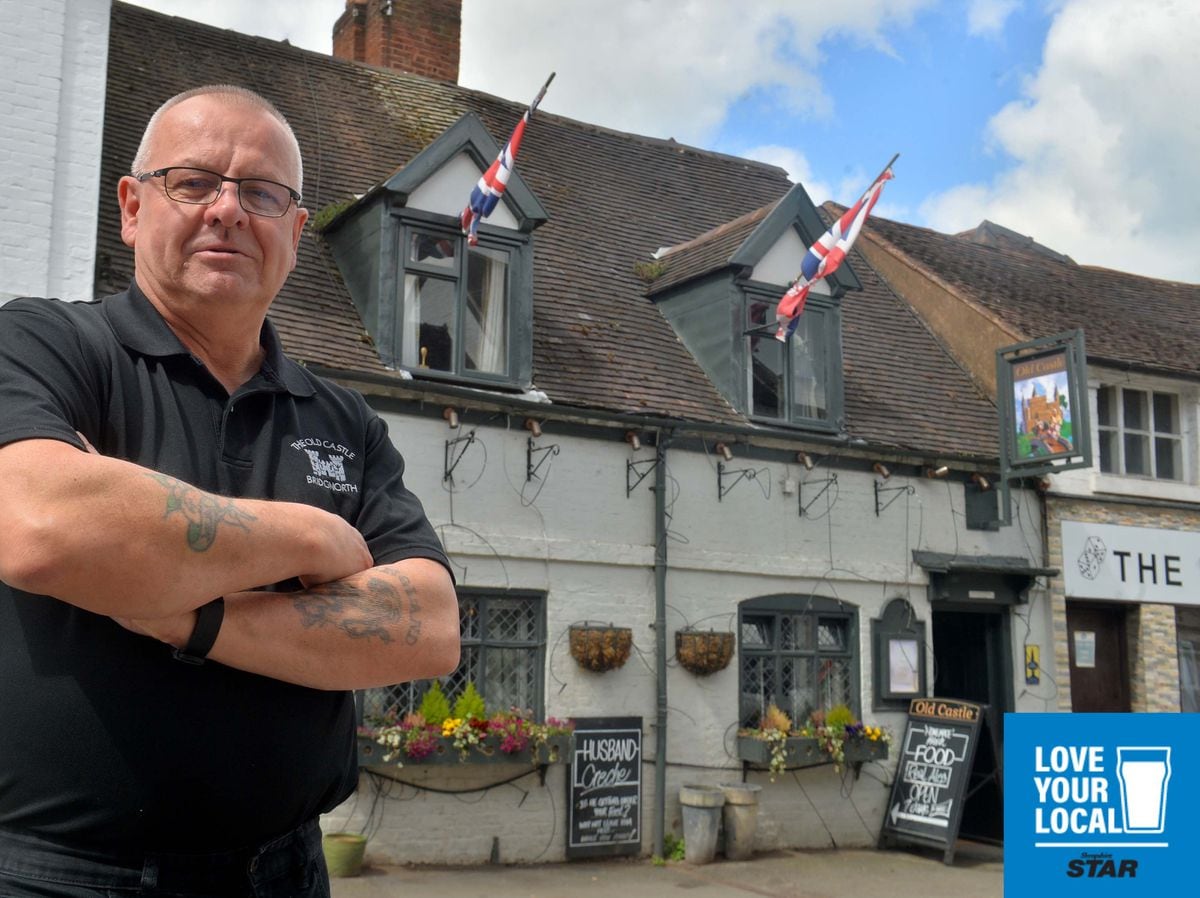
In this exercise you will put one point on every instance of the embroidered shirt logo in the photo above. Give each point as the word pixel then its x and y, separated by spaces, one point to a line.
pixel 333 468
pixel 328 462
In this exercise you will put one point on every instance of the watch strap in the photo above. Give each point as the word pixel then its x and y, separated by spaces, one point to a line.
pixel 204 634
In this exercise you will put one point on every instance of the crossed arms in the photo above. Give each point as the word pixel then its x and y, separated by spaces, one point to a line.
pixel 121 540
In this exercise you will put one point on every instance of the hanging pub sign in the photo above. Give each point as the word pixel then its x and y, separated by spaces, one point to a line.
pixel 1042 395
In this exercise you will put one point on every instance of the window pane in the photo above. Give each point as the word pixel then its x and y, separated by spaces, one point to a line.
pixel 512 620
pixel 796 697
pixel 1136 414
pixel 795 633
pixel 833 683
pixel 758 687
pixel 832 634
pixel 1137 454
pixel 808 368
pixel 766 365
pixel 485 326
pixel 1108 451
pixel 1167 458
pixel 511 680
pixel 1166 415
pixel 429 316
pixel 432 249
pixel 756 630
pixel 1105 406
pixel 468 618
pixel 469 670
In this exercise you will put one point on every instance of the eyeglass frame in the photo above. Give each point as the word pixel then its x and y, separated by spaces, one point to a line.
pixel 162 173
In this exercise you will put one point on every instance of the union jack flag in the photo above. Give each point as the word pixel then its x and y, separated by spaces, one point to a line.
pixel 493 182
pixel 826 255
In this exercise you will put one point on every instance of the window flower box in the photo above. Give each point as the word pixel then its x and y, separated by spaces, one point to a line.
pixel 806 751
pixel 555 750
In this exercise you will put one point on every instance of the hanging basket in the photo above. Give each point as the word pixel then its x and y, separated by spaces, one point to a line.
pixel 600 647
pixel 703 652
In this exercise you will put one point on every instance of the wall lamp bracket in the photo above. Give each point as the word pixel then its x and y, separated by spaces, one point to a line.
pixel 541 453
pixel 824 485
pixel 906 489
pixel 455 450
pixel 723 474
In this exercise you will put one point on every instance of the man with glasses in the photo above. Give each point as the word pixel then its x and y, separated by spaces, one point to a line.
pixel 204 547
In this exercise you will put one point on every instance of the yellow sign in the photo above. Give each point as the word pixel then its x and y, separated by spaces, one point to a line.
pixel 1033 665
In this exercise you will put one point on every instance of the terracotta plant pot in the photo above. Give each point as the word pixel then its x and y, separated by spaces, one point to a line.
pixel 600 647
pixel 703 651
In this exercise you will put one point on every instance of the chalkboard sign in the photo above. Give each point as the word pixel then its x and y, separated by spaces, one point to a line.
pixel 934 770
pixel 604 791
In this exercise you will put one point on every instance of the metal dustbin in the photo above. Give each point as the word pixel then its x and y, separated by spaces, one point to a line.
pixel 741 819
pixel 701 822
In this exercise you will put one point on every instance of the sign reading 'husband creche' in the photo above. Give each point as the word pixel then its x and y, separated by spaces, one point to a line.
pixel 604 794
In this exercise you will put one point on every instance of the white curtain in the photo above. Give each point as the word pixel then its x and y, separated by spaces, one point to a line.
pixel 410 355
pixel 493 333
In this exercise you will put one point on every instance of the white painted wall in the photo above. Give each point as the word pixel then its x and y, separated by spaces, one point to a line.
pixel 577 537
pixel 53 63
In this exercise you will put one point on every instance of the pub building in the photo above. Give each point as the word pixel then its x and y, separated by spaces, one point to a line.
pixel 609 442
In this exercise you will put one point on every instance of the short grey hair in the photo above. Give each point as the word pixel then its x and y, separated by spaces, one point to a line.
pixel 235 95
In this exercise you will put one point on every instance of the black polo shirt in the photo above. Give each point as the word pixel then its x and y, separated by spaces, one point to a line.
pixel 105 739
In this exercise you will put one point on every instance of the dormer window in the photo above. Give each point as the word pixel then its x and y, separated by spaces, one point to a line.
pixel 456 305
pixel 434 306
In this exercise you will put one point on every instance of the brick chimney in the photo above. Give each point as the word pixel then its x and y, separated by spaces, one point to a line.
pixel 418 36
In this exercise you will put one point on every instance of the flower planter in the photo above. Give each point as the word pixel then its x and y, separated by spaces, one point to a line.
pixel 805 751
pixel 600 647
pixel 343 853
pixel 703 651
pixel 555 750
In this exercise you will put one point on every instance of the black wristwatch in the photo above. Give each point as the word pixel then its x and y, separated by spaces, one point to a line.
pixel 204 634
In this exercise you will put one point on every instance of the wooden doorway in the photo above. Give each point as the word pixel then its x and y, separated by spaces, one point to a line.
pixel 1099 662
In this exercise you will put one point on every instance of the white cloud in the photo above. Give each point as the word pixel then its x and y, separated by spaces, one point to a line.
pixel 1104 143
pixel 307 24
pixel 666 68
pixel 987 17
pixel 797 166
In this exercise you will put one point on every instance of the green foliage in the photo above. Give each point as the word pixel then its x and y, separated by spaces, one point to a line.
pixel 470 705
pixel 327 214
pixel 673 847
pixel 435 707
pixel 839 717
pixel 650 271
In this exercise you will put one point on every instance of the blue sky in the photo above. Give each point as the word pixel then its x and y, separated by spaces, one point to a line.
pixel 1072 121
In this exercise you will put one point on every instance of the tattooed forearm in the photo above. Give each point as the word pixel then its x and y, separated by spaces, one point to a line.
pixel 377 608
pixel 204 512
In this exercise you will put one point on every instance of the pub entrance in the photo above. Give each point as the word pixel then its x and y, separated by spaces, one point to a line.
pixel 1099 660
pixel 971 600
pixel 972 662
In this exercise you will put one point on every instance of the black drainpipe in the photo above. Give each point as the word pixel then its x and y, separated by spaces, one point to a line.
pixel 660 639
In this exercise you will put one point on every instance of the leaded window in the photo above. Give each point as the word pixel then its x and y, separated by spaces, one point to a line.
pixel 1140 432
pixel 503 654
pixel 799 653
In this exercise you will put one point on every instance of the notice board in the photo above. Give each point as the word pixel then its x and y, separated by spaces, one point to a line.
pixel 604 790
pixel 934 770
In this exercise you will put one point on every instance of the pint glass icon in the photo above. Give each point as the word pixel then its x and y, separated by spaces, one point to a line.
pixel 1144 772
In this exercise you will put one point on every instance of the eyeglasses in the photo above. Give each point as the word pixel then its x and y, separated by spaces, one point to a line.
pixel 201 187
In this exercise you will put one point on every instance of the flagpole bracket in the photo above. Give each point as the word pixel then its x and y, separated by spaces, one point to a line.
pixel 824 485
pixel 907 489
